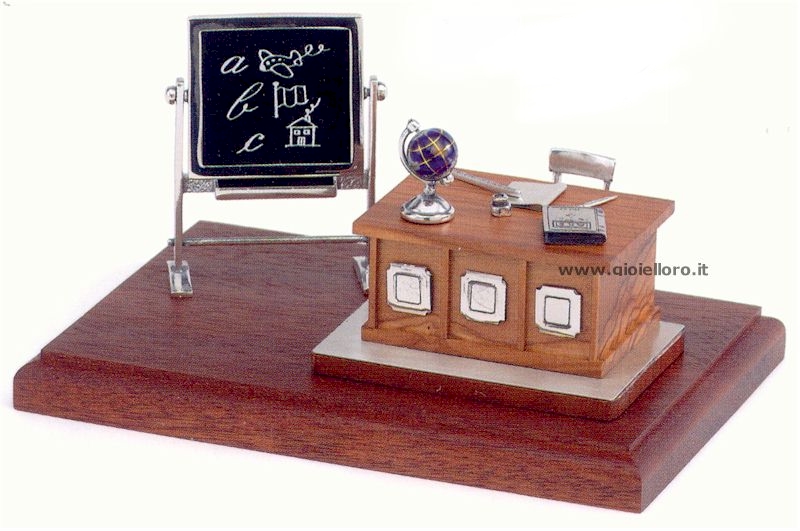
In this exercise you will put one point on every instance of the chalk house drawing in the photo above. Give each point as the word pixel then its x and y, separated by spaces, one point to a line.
pixel 303 131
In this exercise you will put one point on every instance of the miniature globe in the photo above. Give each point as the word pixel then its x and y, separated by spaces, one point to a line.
pixel 431 155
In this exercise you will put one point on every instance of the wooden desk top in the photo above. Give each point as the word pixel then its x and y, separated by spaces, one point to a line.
pixel 630 219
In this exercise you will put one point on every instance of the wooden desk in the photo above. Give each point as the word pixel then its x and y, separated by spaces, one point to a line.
pixel 615 309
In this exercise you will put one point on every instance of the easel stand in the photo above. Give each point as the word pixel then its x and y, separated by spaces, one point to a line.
pixel 361 175
pixel 232 366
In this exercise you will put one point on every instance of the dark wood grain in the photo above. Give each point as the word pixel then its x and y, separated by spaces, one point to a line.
pixel 233 366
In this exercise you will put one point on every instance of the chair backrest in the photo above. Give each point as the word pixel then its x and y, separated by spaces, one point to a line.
pixel 583 164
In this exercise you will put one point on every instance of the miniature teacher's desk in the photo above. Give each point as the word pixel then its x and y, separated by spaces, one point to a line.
pixel 608 310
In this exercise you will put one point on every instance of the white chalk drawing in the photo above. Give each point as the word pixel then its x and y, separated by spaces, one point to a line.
pixel 287 97
pixel 234 64
pixel 253 143
pixel 240 106
pixel 283 65
pixel 303 132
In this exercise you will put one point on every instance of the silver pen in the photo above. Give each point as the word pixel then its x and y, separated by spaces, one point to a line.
pixel 486 184
pixel 598 202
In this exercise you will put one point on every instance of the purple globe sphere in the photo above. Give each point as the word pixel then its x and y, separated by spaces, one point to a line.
pixel 432 154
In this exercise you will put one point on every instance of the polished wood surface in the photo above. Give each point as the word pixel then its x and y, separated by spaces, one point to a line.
pixel 233 366
pixel 631 219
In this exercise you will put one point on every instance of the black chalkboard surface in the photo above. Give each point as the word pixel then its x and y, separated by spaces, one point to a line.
pixel 274 96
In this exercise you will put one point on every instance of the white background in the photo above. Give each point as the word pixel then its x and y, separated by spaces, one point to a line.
pixel 696 101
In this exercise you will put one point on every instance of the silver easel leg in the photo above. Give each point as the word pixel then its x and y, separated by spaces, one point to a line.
pixel 376 93
pixel 180 282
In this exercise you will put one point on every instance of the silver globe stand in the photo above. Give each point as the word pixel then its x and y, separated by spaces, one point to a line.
pixel 428 208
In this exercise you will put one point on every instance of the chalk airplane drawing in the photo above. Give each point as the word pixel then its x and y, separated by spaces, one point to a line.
pixel 283 65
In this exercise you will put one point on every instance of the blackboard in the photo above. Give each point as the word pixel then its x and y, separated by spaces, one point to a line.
pixel 274 96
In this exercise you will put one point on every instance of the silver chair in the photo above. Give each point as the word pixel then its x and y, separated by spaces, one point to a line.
pixel 583 164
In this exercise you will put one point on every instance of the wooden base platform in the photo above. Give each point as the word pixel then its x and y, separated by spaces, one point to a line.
pixel 233 366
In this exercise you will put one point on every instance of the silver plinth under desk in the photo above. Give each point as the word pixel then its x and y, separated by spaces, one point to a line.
pixel 444 373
